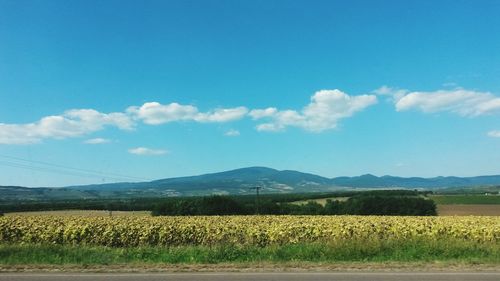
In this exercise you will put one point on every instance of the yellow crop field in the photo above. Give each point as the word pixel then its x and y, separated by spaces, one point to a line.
pixel 244 230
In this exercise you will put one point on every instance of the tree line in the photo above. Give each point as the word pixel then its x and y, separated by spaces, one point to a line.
pixel 356 205
pixel 383 202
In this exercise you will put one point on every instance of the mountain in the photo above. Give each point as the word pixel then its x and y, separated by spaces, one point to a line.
pixel 239 181
pixel 41 193
pixel 242 181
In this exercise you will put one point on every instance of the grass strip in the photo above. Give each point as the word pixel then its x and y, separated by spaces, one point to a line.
pixel 345 251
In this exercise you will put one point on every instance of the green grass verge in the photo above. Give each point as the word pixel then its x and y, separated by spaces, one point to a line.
pixel 465 199
pixel 347 251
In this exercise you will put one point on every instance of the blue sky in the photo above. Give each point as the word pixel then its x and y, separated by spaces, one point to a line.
pixel 151 89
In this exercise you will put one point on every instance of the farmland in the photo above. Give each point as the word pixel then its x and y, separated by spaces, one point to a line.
pixel 447 205
pixel 96 236
pixel 467 205
pixel 468 210
pixel 466 199
pixel 241 230
pixel 52 239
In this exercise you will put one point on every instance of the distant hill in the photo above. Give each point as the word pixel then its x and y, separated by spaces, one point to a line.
pixel 242 181
pixel 239 181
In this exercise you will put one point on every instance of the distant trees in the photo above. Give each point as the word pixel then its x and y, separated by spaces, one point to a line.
pixel 383 205
pixel 212 205
pixel 380 202
pixel 365 204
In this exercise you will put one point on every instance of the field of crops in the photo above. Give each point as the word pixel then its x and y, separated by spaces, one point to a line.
pixel 469 209
pixel 466 199
pixel 241 230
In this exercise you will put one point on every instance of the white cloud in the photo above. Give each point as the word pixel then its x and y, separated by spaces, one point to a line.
pixel 97 141
pixel 72 123
pixel 494 134
pixel 395 94
pixel 154 113
pixel 18 134
pixel 91 117
pixel 80 122
pixel 467 103
pixel 261 113
pixel 232 133
pixel 324 111
pixel 222 115
pixel 147 151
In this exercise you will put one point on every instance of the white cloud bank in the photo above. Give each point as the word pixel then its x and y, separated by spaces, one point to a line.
pixel 154 113
pixel 467 103
pixel 144 151
pixel 324 111
pixel 80 122
pixel 73 123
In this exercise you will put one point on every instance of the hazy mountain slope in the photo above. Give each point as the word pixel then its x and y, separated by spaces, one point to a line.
pixel 242 181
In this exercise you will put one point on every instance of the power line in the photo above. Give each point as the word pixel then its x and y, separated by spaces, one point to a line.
pixel 45 169
pixel 51 170
pixel 62 169
pixel 72 168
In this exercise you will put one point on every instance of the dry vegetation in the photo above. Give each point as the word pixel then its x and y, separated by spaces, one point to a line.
pixel 469 210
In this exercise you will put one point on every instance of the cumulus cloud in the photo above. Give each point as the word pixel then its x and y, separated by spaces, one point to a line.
pixel 232 133
pixel 261 113
pixel 147 151
pixel 324 111
pixel 394 94
pixel 72 123
pixel 222 115
pixel 467 103
pixel 97 141
pixel 154 113
pixel 494 134
pixel 80 122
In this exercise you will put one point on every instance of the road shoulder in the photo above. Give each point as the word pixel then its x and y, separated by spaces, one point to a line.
pixel 258 267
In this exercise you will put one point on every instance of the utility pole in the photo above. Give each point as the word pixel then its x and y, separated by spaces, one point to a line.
pixel 257 199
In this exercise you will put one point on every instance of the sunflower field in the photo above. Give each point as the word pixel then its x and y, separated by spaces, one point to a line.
pixel 240 230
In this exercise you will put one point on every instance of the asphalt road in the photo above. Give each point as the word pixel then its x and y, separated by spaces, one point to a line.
pixel 337 276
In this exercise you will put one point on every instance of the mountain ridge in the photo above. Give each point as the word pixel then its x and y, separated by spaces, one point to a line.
pixel 244 180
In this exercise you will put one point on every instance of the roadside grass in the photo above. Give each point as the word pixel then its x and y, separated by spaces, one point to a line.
pixel 465 199
pixel 377 251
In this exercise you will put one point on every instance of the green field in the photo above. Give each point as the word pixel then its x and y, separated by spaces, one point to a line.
pixel 465 199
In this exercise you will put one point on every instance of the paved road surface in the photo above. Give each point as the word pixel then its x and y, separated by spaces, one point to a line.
pixel 455 276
